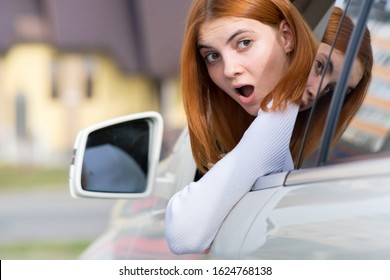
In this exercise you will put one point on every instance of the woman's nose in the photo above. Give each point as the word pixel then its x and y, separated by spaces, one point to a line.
pixel 232 67
pixel 308 96
pixel 313 86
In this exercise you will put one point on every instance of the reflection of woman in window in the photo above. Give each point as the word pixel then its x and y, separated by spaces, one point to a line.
pixel 358 83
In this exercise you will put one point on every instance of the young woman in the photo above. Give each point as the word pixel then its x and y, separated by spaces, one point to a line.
pixel 239 72
pixel 249 60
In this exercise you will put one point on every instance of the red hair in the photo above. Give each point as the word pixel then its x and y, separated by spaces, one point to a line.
pixel 216 122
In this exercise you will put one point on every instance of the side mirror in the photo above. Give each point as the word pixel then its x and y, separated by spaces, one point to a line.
pixel 117 158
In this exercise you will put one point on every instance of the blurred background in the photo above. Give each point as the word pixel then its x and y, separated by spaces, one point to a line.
pixel 65 65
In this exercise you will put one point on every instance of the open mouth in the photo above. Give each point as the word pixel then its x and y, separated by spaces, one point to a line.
pixel 245 91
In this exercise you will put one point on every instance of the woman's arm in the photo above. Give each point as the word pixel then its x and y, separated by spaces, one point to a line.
pixel 195 214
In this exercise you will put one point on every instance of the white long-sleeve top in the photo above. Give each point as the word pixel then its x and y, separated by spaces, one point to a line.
pixel 195 214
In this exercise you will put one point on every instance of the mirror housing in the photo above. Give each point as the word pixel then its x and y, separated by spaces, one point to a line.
pixel 117 158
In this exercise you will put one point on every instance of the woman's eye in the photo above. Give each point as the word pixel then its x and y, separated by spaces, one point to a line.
pixel 243 44
pixel 211 57
pixel 319 67
pixel 328 89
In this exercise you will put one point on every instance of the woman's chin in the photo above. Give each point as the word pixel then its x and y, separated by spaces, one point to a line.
pixel 253 110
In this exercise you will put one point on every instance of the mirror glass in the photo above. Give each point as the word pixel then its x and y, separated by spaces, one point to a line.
pixel 116 158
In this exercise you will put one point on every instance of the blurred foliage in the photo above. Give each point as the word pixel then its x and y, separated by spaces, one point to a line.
pixel 43 251
pixel 18 178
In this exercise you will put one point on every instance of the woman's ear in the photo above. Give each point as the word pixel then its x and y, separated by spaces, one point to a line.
pixel 287 37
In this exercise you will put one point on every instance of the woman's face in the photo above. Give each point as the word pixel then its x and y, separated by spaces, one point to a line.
pixel 244 57
pixel 332 73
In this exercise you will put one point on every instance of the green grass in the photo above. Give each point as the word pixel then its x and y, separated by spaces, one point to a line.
pixel 43 251
pixel 17 178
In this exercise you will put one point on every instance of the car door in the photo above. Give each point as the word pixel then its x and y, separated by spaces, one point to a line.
pixel 336 205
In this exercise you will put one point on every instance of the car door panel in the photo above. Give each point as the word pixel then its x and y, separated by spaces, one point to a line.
pixel 344 219
pixel 332 217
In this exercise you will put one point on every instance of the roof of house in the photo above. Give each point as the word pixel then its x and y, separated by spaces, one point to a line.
pixel 144 36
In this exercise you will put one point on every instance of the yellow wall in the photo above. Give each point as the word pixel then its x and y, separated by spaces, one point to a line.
pixel 52 123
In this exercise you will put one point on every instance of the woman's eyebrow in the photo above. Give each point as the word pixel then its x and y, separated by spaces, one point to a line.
pixel 200 46
pixel 231 38
pixel 235 34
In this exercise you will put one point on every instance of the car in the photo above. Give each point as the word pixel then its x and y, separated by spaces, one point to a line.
pixel 336 205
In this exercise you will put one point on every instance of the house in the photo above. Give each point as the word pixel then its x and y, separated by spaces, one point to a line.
pixel 67 64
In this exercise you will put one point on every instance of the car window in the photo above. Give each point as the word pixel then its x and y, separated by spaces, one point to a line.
pixel 369 130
